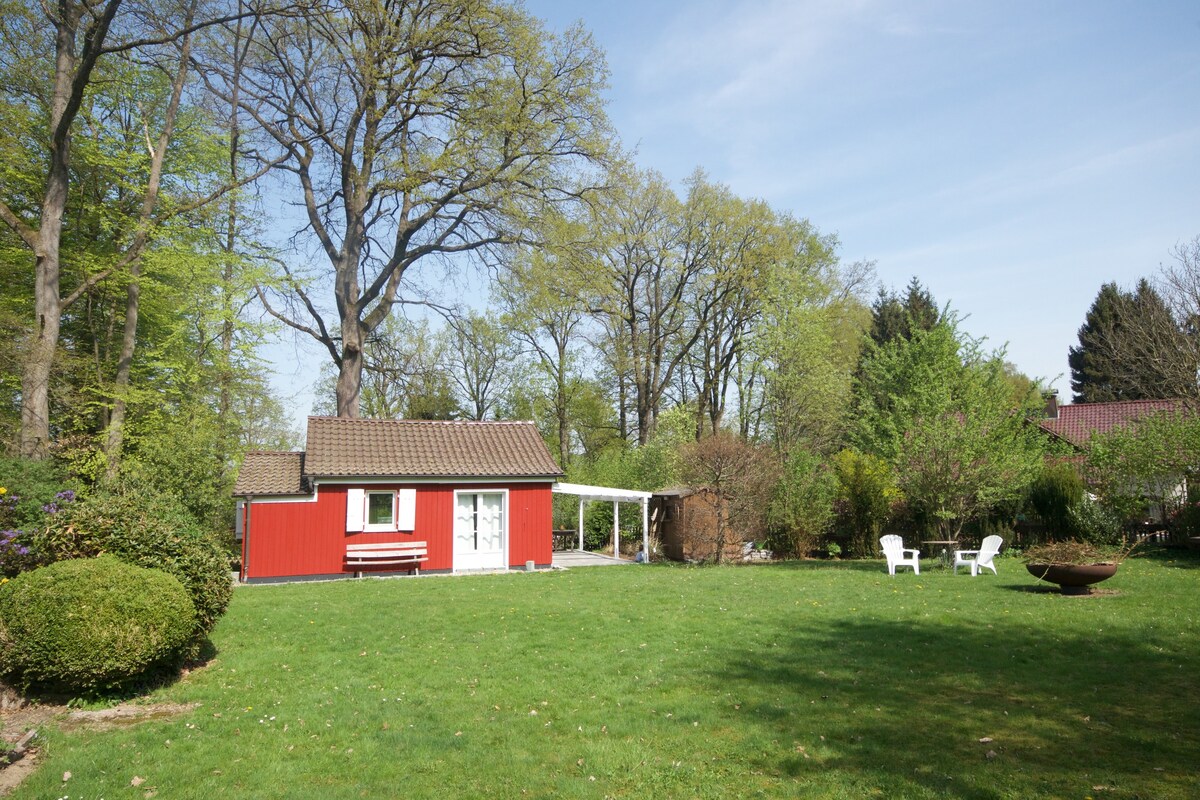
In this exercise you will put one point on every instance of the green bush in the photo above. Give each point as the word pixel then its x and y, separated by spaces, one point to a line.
pixel 87 625
pixel 150 530
pixel 1053 494
pixel 866 500
pixel 801 513
pixel 1094 523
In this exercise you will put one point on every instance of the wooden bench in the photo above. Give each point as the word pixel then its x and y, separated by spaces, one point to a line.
pixel 386 554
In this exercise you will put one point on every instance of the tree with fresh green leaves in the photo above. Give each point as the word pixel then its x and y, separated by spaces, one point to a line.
pixel 1141 470
pixel 808 342
pixel 56 56
pixel 640 282
pixel 801 512
pixel 548 323
pixel 866 498
pixel 938 409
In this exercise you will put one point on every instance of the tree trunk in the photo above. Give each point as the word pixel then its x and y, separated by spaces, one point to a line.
pixel 35 377
pixel 133 256
pixel 350 369
pixel 560 405
pixel 115 436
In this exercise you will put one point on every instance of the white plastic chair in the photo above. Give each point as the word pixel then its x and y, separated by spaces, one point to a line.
pixel 894 550
pixel 979 558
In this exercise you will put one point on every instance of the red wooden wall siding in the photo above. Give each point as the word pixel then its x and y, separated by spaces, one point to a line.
pixel 529 524
pixel 305 538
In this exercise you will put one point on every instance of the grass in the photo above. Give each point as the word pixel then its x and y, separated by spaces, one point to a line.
pixel 801 680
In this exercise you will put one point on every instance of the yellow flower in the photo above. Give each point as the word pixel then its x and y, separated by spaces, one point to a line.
pixel 3 491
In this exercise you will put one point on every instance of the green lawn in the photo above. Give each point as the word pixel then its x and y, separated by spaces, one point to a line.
pixel 801 680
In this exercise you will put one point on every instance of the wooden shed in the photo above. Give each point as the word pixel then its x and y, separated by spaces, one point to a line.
pixel 383 496
pixel 685 523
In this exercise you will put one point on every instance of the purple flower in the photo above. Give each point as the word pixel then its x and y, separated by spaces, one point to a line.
pixel 67 496
pixel 50 508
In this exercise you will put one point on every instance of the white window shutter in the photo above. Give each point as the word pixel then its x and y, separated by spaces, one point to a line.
pixel 355 501
pixel 406 510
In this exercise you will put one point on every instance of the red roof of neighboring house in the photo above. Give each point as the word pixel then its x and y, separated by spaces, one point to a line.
pixel 1075 424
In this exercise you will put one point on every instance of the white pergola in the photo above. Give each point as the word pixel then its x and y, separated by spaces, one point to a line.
pixel 614 496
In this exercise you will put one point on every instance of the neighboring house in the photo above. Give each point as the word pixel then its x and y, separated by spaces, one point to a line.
pixel 1076 424
pixel 477 494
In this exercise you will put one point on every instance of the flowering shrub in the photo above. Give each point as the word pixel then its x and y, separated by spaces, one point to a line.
pixel 14 550
pixel 17 520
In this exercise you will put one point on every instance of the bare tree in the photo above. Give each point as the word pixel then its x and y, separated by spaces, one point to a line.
pixel 735 480
pixel 416 130
pixel 480 361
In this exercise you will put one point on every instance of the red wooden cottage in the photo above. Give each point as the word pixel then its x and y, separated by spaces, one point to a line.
pixel 379 496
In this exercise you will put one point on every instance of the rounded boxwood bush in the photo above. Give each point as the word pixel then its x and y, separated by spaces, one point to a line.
pixel 149 529
pixel 90 624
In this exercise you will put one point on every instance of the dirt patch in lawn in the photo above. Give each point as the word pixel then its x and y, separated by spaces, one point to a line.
pixel 19 753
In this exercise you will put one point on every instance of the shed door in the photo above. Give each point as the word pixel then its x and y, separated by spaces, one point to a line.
pixel 479 530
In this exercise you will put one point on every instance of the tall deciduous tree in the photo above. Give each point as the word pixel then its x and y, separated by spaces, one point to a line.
pixel 416 130
pixel 67 41
pixel 548 321
pixel 642 283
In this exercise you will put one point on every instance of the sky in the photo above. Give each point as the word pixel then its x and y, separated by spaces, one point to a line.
pixel 1013 156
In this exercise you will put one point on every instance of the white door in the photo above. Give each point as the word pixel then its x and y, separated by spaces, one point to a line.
pixel 479 530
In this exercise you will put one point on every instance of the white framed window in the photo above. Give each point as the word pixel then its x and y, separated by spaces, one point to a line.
pixel 380 511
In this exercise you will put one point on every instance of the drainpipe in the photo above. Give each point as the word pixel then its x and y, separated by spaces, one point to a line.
pixel 246 541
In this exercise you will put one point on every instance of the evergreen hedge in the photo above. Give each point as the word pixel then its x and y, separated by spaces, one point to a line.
pixel 87 625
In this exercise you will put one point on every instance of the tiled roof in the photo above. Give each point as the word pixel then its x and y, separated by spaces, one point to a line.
pixel 1076 423
pixel 270 473
pixel 342 447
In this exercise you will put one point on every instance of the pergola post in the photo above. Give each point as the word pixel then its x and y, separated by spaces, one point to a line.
pixel 614 496
pixel 616 529
pixel 581 501
pixel 646 528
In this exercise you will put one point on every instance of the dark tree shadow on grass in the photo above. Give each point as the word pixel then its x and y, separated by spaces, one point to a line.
pixel 1169 556
pixel 899 709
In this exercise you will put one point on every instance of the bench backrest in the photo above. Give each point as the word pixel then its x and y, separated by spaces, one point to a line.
pixel 367 548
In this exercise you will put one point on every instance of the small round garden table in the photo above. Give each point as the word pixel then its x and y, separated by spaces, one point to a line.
pixel 946 548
